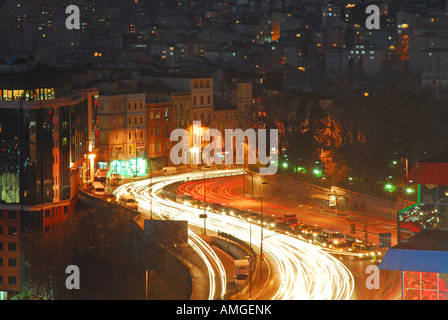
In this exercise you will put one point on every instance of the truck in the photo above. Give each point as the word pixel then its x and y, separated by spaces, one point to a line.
pixel 242 271
pixel 167 171
pixel 335 236
pixel 290 219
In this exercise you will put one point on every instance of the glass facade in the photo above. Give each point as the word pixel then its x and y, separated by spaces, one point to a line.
pixel 9 156
pixel 26 157
pixel 430 212
pixel 36 156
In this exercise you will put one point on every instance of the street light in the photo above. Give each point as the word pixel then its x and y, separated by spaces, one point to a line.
pixel 261 239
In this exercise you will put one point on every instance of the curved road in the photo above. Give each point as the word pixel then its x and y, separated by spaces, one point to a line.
pixel 228 191
pixel 298 270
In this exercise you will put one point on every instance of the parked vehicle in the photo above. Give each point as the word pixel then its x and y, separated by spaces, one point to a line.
pixel 101 176
pixel 98 189
pixel 128 200
pixel 167 171
pixel 210 167
pixel 242 271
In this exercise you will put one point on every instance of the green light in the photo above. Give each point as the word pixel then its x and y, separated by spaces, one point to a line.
pixel 409 190
pixel 350 178
pixel 285 165
pixel 317 172
pixel 389 187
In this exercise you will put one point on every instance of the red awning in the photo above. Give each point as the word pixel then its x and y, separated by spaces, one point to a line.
pixel 435 173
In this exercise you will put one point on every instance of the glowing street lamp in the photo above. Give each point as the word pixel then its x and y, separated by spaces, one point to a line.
pixel 389 187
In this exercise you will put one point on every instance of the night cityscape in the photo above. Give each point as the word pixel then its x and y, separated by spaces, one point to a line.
pixel 240 150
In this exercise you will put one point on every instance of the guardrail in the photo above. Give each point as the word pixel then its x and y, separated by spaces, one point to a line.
pixel 84 195
pixel 212 175
pixel 253 261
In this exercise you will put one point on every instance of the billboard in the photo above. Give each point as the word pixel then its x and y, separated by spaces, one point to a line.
pixel 166 231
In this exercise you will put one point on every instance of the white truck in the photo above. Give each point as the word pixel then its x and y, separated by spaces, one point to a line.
pixel 98 189
pixel 242 271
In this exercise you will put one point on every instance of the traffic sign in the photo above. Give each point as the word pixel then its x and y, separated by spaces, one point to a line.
pixel 385 240
pixel 352 228
pixel 203 216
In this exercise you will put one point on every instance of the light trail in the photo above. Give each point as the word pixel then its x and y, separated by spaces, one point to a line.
pixel 142 190
pixel 301 271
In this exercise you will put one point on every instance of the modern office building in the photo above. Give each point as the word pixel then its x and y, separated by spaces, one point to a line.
pixel 45 142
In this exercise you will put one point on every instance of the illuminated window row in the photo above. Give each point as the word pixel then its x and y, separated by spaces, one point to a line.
pixel 27 95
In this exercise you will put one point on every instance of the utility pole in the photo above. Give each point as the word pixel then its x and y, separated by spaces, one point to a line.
pixel 205 212
pixel 261 238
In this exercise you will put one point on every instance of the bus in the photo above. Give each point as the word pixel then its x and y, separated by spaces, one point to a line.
pixel 334 235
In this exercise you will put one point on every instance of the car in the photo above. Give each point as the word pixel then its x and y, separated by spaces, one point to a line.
pixel 322 241
pixel 302 228
pixel 129 201
pixel 364 250
pixel 110 197
pixel 101 172
pixel 115 176
pixel 306 237
pixel 283 227
pixel 339 246
pixel 167 171
pixel 269 222
pixel 314 230
pixel 210 167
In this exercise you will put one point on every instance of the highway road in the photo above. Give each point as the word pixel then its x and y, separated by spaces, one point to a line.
pixel 228 191
pixel 297 269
